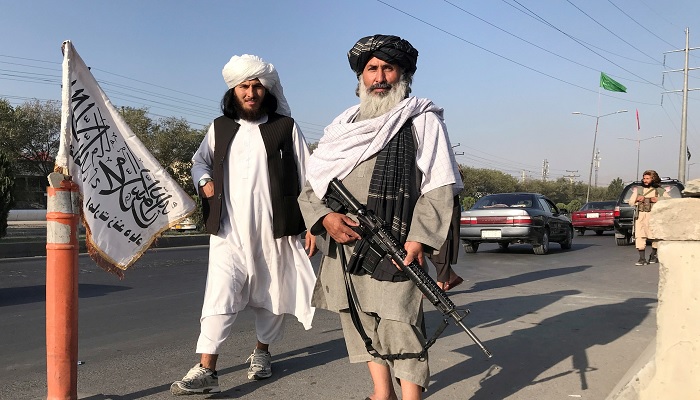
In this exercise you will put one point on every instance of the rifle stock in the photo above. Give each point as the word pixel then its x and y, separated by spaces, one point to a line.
pixel 372 228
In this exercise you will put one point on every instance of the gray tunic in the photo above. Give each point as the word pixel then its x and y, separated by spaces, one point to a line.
pixel 399 301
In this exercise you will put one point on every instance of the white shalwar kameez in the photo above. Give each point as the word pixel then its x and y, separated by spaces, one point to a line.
pixel 248 267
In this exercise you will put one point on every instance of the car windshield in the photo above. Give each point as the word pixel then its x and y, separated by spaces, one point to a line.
pixel 599 205
pixel 673 190
pixel 505 200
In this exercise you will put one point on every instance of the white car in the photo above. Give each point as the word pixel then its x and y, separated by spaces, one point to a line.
pixel 186 224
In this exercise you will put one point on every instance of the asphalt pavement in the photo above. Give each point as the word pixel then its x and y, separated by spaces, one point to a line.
pixel 28 239
pixel 567 325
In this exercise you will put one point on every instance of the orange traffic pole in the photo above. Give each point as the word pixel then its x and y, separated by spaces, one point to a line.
pixel 62 214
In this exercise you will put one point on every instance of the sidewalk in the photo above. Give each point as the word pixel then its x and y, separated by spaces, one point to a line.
pixel 28 239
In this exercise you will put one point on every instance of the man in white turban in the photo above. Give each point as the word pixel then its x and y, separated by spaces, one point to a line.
pixel 249 171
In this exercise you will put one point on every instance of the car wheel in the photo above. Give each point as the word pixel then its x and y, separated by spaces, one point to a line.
pixel 566 244
pixel 503 245
pixel 581 232
pixel 624 241
pixel 470 247
pixel 543 247
pixel 599 232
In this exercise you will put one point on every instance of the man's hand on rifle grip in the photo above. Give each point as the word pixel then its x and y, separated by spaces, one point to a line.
pixel 414 251
pixel 339 227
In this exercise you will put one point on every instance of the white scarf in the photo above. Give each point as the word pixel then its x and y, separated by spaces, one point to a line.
pixel 345 144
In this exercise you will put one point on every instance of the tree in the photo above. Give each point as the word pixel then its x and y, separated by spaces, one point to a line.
pixel 173 143
pixel 7 121
pixel 138 121
pixel 30 134
pixel 614 189
pixel 480 181
pixel 313 147
pixel 170 140
pixel 7 182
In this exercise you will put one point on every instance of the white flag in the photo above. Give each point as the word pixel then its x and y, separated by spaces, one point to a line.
pixel 128 199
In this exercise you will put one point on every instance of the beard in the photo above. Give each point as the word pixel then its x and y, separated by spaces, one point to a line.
pixel 373 105
pixel 249 115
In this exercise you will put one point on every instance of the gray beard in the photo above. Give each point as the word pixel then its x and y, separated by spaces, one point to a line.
pixel 374 105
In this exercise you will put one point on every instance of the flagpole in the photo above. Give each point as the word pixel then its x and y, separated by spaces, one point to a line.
pixel 638 145
pixel 63 212
pixel 595 136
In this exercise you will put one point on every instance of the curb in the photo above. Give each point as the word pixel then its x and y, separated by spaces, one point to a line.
pixel 37 248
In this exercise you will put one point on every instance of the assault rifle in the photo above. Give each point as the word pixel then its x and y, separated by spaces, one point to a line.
pixel 372 229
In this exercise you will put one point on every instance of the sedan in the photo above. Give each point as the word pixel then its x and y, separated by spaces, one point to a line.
pixel 509 218
pixel 597 216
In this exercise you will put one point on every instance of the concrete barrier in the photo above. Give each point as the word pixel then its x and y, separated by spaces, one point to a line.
pixel 670 371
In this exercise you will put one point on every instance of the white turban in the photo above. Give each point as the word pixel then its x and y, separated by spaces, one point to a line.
pixel 247 67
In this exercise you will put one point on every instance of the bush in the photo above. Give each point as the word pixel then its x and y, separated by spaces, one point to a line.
pixel 7 184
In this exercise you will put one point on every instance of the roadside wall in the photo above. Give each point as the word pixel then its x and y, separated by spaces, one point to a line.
pixel 670 369
pixel 27 215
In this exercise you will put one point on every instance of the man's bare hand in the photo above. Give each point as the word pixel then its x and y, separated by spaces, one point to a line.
pixel 414 252
pixel 338 226
pixel 207 190
pixel 310 244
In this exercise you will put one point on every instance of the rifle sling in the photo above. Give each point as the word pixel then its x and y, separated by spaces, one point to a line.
pixel 354 314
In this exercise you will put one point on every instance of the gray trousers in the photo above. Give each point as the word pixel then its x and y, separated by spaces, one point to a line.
pixel 388 337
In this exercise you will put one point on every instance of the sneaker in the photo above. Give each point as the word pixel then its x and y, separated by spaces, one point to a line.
pixel 653 259
pixel 197 380
pixel 260 365
pixel 641 261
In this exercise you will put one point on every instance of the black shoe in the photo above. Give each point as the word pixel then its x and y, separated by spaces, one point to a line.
pixel 653 259
pixel 641 261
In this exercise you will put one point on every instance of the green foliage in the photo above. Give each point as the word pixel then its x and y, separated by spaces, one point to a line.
pixel 479 182
pixel 614 189
pixel 30 134
pixel 574 205
pixel 7 183
pixel 569 195
pixel 313 147
pixel 467 202
pixel 170 140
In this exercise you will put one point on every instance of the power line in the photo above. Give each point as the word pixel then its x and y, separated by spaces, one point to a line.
pixel 642 26
pixel 485 49
pixel 534 15
pixel 611 32
pixel 516 62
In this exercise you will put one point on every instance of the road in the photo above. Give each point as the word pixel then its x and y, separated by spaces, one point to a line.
pixel 567 325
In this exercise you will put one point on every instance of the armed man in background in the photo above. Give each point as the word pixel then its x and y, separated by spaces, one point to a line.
pixel 643 198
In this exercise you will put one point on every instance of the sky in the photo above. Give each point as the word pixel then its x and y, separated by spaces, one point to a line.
pixel 508 73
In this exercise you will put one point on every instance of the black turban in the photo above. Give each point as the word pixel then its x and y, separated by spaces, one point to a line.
pixel 388 48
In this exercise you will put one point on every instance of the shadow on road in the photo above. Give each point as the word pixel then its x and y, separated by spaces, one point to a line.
pixel 284 364
pixel 523 278
pixel 32 294
pixel 522 356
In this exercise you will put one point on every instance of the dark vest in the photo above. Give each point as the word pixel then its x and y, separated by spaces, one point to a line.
pixel 282 168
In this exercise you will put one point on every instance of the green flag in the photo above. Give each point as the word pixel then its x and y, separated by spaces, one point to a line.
pixel 610 84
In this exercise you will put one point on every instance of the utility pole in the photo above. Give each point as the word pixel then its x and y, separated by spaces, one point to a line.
pixel 684 114
pixel 545 170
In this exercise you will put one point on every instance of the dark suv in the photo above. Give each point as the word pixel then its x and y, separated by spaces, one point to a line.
pixel 624 213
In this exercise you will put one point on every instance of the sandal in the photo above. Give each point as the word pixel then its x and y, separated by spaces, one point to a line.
pixel 454 283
